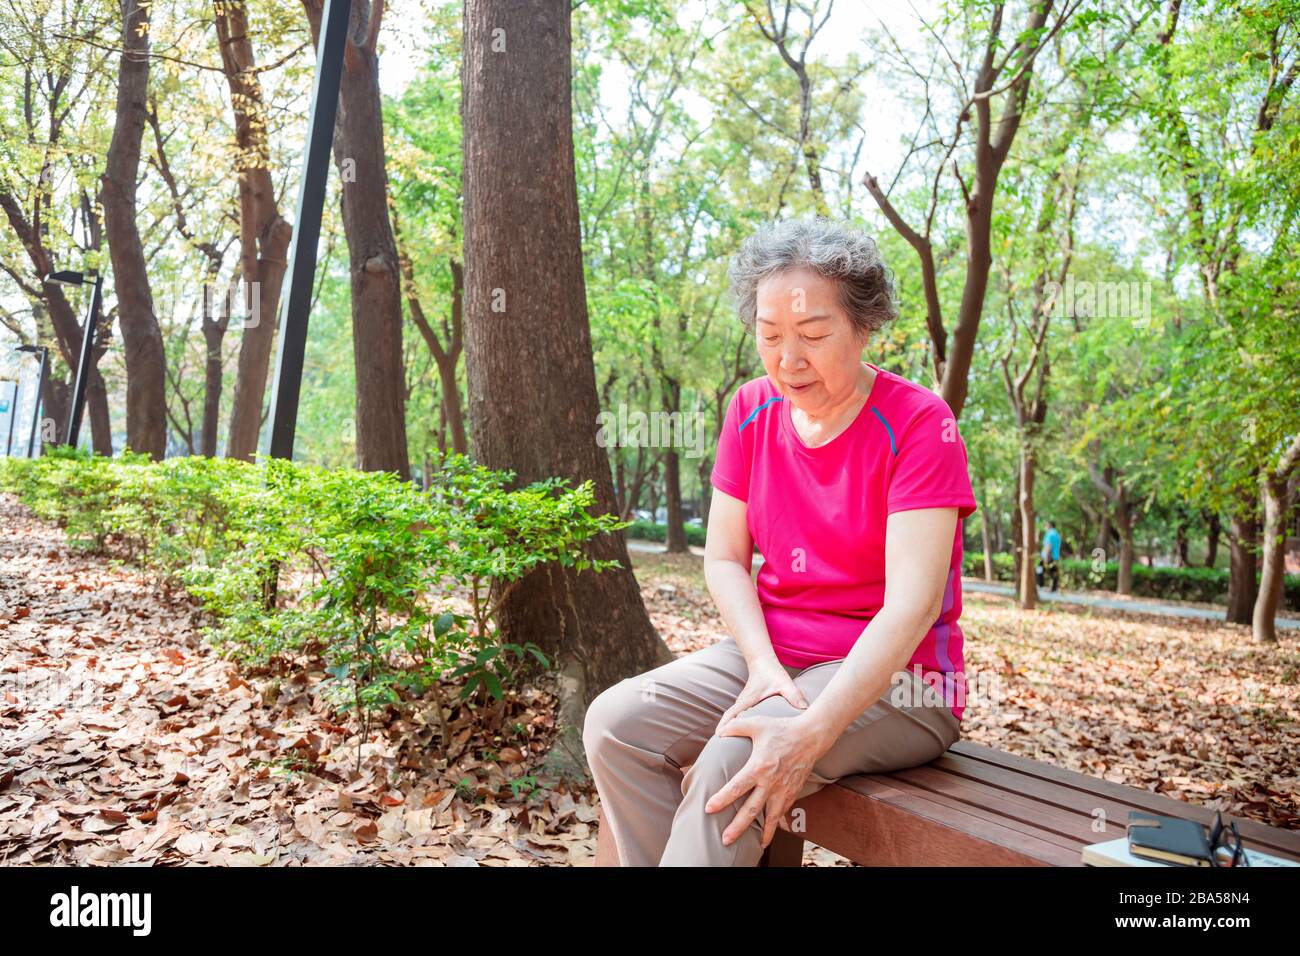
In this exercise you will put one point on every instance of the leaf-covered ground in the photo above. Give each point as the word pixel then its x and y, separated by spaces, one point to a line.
pixel 125 739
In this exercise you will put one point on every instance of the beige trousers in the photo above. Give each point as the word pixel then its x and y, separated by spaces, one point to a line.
pixel 642 731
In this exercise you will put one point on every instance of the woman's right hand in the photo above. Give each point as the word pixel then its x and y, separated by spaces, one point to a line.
pixel 765 680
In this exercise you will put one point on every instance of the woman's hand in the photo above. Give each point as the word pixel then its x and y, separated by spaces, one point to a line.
pixel 768 679
pixel 785 750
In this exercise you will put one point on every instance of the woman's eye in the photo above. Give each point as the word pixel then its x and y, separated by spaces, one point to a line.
pixel 818 338
pixel 770 340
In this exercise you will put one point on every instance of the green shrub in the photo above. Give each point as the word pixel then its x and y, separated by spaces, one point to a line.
pixel 356 570
pixel 653 531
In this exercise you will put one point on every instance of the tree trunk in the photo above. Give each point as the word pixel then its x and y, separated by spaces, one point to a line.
pixel 988 544
pixel 1180 544
pixel 451 407
pixel 372 250
pixel 704 471
pixel 1124 584
pixel 1213 528
pixel 1277 491
pixel 675 540
pixel 1027 592
pixel 1017 540
pixel 1104 534
pixel 146 400
pixel 1270 579
pixel 101 426
pixel 257 338
pixel 652 488
pixel 532 386
pixel 213 333
pixel 1242 565
pixel 620 486
pixel 264 235
pixel 55 402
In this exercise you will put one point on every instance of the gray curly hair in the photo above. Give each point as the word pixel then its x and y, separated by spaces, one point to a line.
pixel 836 250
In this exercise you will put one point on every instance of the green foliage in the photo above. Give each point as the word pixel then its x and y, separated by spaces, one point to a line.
pixel 357 573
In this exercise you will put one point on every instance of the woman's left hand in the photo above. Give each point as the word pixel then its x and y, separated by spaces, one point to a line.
pixel 785 750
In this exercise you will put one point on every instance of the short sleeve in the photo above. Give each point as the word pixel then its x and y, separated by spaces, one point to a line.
pixel 930 468
pixel 730 467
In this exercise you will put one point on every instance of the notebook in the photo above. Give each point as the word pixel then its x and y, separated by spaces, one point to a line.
pixel 1166 839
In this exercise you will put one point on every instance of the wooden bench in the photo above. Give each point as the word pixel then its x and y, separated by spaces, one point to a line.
pixel 976 806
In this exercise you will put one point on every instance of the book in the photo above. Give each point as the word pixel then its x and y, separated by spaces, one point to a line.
pixel 1116 853
pixel 1166 839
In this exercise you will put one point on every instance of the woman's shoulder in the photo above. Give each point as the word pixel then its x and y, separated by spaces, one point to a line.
pixel 754 394
pixel 760 389
pixel 904 401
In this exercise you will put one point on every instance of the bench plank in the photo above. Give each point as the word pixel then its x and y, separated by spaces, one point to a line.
pixel 1268 839
pixel 975 806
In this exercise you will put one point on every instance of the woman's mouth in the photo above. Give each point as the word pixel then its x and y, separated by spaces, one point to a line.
pixel 800 388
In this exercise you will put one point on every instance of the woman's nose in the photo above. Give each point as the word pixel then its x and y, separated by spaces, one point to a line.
pixel 792 358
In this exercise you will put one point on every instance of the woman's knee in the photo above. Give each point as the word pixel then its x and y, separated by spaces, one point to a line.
pixel 611 714
pixel 718 761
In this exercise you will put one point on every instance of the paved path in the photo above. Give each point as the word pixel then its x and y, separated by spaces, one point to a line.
pixel 1119 604
pixel 1006 590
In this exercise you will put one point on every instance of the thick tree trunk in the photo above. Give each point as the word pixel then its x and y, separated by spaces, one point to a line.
pixel 532 386
pixel 1278 493
pixel 1242 566
pixel 264 235
pixel 1270 579
pixel 146 400
pixel 372 250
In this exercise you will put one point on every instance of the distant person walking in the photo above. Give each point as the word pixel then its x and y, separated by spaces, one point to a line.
pixel 1052 556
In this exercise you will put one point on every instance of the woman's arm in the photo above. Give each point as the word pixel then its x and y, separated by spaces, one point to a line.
pixel 728 560
pixel 918 549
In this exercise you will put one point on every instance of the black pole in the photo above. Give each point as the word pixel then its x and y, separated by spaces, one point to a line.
pixel 83 364
pixel 36 406
pixel 306 233
pixel 13 414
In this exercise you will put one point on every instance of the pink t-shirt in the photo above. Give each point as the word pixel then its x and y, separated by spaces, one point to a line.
pixel 818 516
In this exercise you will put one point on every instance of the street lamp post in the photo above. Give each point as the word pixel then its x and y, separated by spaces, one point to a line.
pixel 87 347
pixel 306 229
pixel 40 391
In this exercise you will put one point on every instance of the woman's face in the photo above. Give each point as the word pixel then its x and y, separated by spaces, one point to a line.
pixel 808 346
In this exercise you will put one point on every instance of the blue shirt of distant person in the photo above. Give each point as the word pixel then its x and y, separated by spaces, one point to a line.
pixel 1052 543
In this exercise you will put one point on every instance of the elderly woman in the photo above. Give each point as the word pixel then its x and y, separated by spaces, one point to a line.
pixel 852 482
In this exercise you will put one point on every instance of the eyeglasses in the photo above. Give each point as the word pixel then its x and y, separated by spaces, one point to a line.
pixel 1226 838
